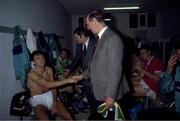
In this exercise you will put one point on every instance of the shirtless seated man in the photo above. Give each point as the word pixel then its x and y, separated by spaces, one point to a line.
pixel 43 95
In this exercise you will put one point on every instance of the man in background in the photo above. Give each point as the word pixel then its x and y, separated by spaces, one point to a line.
pixel 84 53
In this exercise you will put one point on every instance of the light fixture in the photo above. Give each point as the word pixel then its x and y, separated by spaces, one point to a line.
pixel 122 8
pixel 107 19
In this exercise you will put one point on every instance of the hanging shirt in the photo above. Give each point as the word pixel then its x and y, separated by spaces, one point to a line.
pixel 31 41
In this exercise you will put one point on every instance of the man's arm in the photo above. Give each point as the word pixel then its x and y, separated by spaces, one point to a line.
pixel 172 61
pixel 49 84
pixel 154 76
pixel 75 62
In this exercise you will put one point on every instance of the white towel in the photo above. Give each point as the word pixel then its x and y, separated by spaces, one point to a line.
pixel 31 41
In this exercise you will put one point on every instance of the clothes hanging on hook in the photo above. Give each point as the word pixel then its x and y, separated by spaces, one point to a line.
pixel 21 57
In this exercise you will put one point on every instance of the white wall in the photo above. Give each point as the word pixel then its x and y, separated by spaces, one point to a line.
pixel 45 15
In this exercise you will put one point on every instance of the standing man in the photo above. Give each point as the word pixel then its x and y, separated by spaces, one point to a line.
pixel 105 70
pixel 84 53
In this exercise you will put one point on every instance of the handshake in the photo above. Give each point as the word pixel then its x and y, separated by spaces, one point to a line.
pixel 75 78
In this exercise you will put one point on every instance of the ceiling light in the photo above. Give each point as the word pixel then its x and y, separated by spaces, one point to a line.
pixel 122 8
pixel 107 19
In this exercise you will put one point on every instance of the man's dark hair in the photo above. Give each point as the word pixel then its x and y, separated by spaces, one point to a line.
pixel 36 53
pixel 146 47
pixel 68 52
pixel 97 14
pixel 81 31
pixel 63 49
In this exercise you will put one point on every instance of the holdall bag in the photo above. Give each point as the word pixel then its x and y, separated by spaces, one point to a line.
pixel 20 105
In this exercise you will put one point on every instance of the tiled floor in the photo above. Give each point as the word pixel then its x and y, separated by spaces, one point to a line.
pixel 82 115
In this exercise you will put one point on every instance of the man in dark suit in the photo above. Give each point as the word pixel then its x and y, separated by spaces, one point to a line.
pixel 84 53
pixel 109 84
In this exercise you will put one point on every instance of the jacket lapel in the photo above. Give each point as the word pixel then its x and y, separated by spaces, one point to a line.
pixel 101 41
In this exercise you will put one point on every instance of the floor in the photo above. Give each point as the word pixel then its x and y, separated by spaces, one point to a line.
pixel 82 116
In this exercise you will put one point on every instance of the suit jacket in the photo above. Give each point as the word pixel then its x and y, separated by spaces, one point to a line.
pixel 80 59
pixel 106 67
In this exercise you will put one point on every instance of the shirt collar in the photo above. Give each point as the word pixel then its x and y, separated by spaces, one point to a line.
pixel 101 32
pixel 149 61
pixel 87 42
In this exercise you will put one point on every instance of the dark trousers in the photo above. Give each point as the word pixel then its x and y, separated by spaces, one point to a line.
pixel 88 92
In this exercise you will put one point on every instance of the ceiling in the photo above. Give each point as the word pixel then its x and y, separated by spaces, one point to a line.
pixel 81 7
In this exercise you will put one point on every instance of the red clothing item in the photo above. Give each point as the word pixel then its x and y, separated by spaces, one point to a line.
pixel 152 66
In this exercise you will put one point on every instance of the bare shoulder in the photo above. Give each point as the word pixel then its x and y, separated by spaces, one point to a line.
pixel 32 73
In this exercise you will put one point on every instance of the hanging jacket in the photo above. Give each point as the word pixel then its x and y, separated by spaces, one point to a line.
pixel 20 56
pixel 41 43
pixel 42 46
pixel 53 49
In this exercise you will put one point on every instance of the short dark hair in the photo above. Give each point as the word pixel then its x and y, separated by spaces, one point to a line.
pixel 146 47
pixel 81 31
pixel 36 52
pixel 97 14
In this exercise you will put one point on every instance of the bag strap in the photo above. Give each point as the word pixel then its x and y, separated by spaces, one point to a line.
pixel 117 109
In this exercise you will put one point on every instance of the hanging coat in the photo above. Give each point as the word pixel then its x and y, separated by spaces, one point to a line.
pixel 21 57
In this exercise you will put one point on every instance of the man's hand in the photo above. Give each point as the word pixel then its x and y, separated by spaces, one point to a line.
pixel 76 78
pixel 171 63
pixel 66 72
pixel 109 102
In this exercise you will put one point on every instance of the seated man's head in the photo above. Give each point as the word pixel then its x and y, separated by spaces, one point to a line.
pixel 145 52
pixel 38 58
pixel 63 54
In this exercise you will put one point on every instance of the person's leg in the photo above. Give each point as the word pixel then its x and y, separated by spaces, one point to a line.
pixel 41 112
pixel 90 97
pixel 62 111
pixel 92 102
